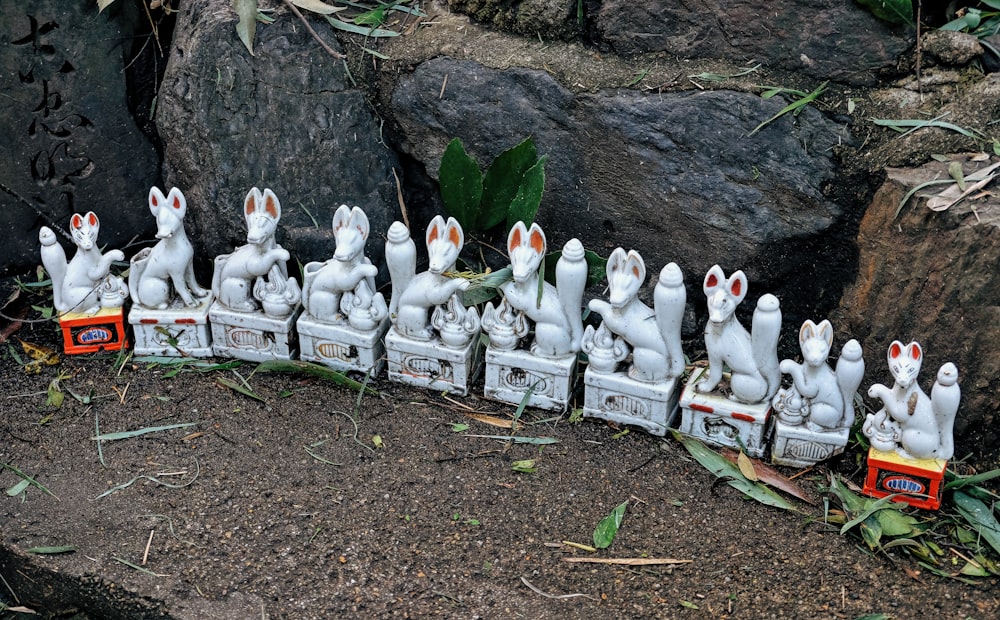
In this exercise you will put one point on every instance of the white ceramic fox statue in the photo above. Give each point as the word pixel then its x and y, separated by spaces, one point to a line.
pixel 85 283
pixel 654 334
pixel 349 273
pixel 925 424
pixel 416 295
pixel 233 282
pixel 159 273
pixel 827 396
pixel 752 358
pixel 557 313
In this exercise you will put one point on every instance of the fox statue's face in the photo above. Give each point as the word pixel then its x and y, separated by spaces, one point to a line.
pixel 723 295
pixel 904 362
pixel 815 342
pixel 84 229
pixel 626 274
pixel 350 231
pixel 169 211
pixel 526 248
pixel 261 211
pixel 444 242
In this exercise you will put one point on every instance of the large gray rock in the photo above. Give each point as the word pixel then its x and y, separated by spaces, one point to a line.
pixel 287 118
pixel 825 39
pixel 69 144
pixel 673 175
pixel 932 277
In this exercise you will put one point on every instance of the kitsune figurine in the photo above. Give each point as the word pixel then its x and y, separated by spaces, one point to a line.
pixel 819 397
pixel 416 295
pixel 752 358
pixel 239 281
pixel 344 286
pixel 556 312
pixel 84 284
pixel 654 334
pixel 160 274
pixel 925 425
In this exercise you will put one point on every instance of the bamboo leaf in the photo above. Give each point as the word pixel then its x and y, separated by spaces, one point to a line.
pixel 363 30
pixel 607 529
pixel 317 6
pixel 537 441
pixel 141 431
pixel 18 488
pixel 28 478
pixel 980 517
pixel 795 106
pixel 246 27
pixel 51 550
pixel 316 370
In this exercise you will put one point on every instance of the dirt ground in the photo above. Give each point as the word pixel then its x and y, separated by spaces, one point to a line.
pixel 282 508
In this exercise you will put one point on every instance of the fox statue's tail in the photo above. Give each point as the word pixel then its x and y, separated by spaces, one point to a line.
pixel 764 342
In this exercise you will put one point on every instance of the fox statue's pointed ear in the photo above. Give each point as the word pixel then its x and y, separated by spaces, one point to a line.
pixel 713 279
pixel 635 264
pixel 737 285
pixel 825 331
pixel 516 236
pixel 537 239
pixel 271 205
pixel 807 331
pixel 914 352
pixel 250 202
pixel 341 217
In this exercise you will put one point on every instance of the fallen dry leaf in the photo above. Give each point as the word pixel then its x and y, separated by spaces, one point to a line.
pixel 491 420
pixel 628 561
pixel 769 476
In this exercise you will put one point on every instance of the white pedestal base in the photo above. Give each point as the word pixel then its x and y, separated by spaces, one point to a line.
pixel 175 331
pixel 342 347
pixel 800 446
pixel 432 365
pixel 619 398
pixel 252 336
pixel 718 421
pixel 511 373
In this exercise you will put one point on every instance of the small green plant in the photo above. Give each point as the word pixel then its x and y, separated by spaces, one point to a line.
pixel 509 191
pixel 795 107
pixel 977 21
pixel 891 11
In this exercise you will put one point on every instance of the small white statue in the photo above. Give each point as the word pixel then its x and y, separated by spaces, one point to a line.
pixel 239 281
pixel 84 284
pixel 819 397
pixel 414 295
pixel 554 312
pixel 752 358
pixel 653 335
pixel 344 286
pixel 923 425
pixel 161 273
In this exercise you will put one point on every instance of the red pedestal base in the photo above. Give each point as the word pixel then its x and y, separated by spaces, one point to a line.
pixel 916 482
pixel 104 331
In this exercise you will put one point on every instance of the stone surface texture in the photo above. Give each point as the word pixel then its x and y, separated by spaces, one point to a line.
pixel 69 144
pixel 286 118
pixel 932 277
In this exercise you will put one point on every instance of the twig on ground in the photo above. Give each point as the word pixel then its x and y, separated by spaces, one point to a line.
pixel 322 43
pixel 536 590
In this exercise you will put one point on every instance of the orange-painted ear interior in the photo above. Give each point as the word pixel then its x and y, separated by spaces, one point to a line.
pixel 711 281
pixel 250 205
pixel 537 242
pixel 894 350
pixel 433 234
pixel 635 270
pixel 154 200
pixel 76 221
pixel 92 219
pixel 270 207
pixel 736 287
pixel 515 239
pixel 915 351
pixel 454 237
pixel 177 202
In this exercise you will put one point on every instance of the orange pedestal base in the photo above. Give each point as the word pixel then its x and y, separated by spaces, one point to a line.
pixel 104 331
pixel 916 482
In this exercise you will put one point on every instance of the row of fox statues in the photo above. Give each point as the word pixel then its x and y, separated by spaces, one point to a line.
pixel 528 345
